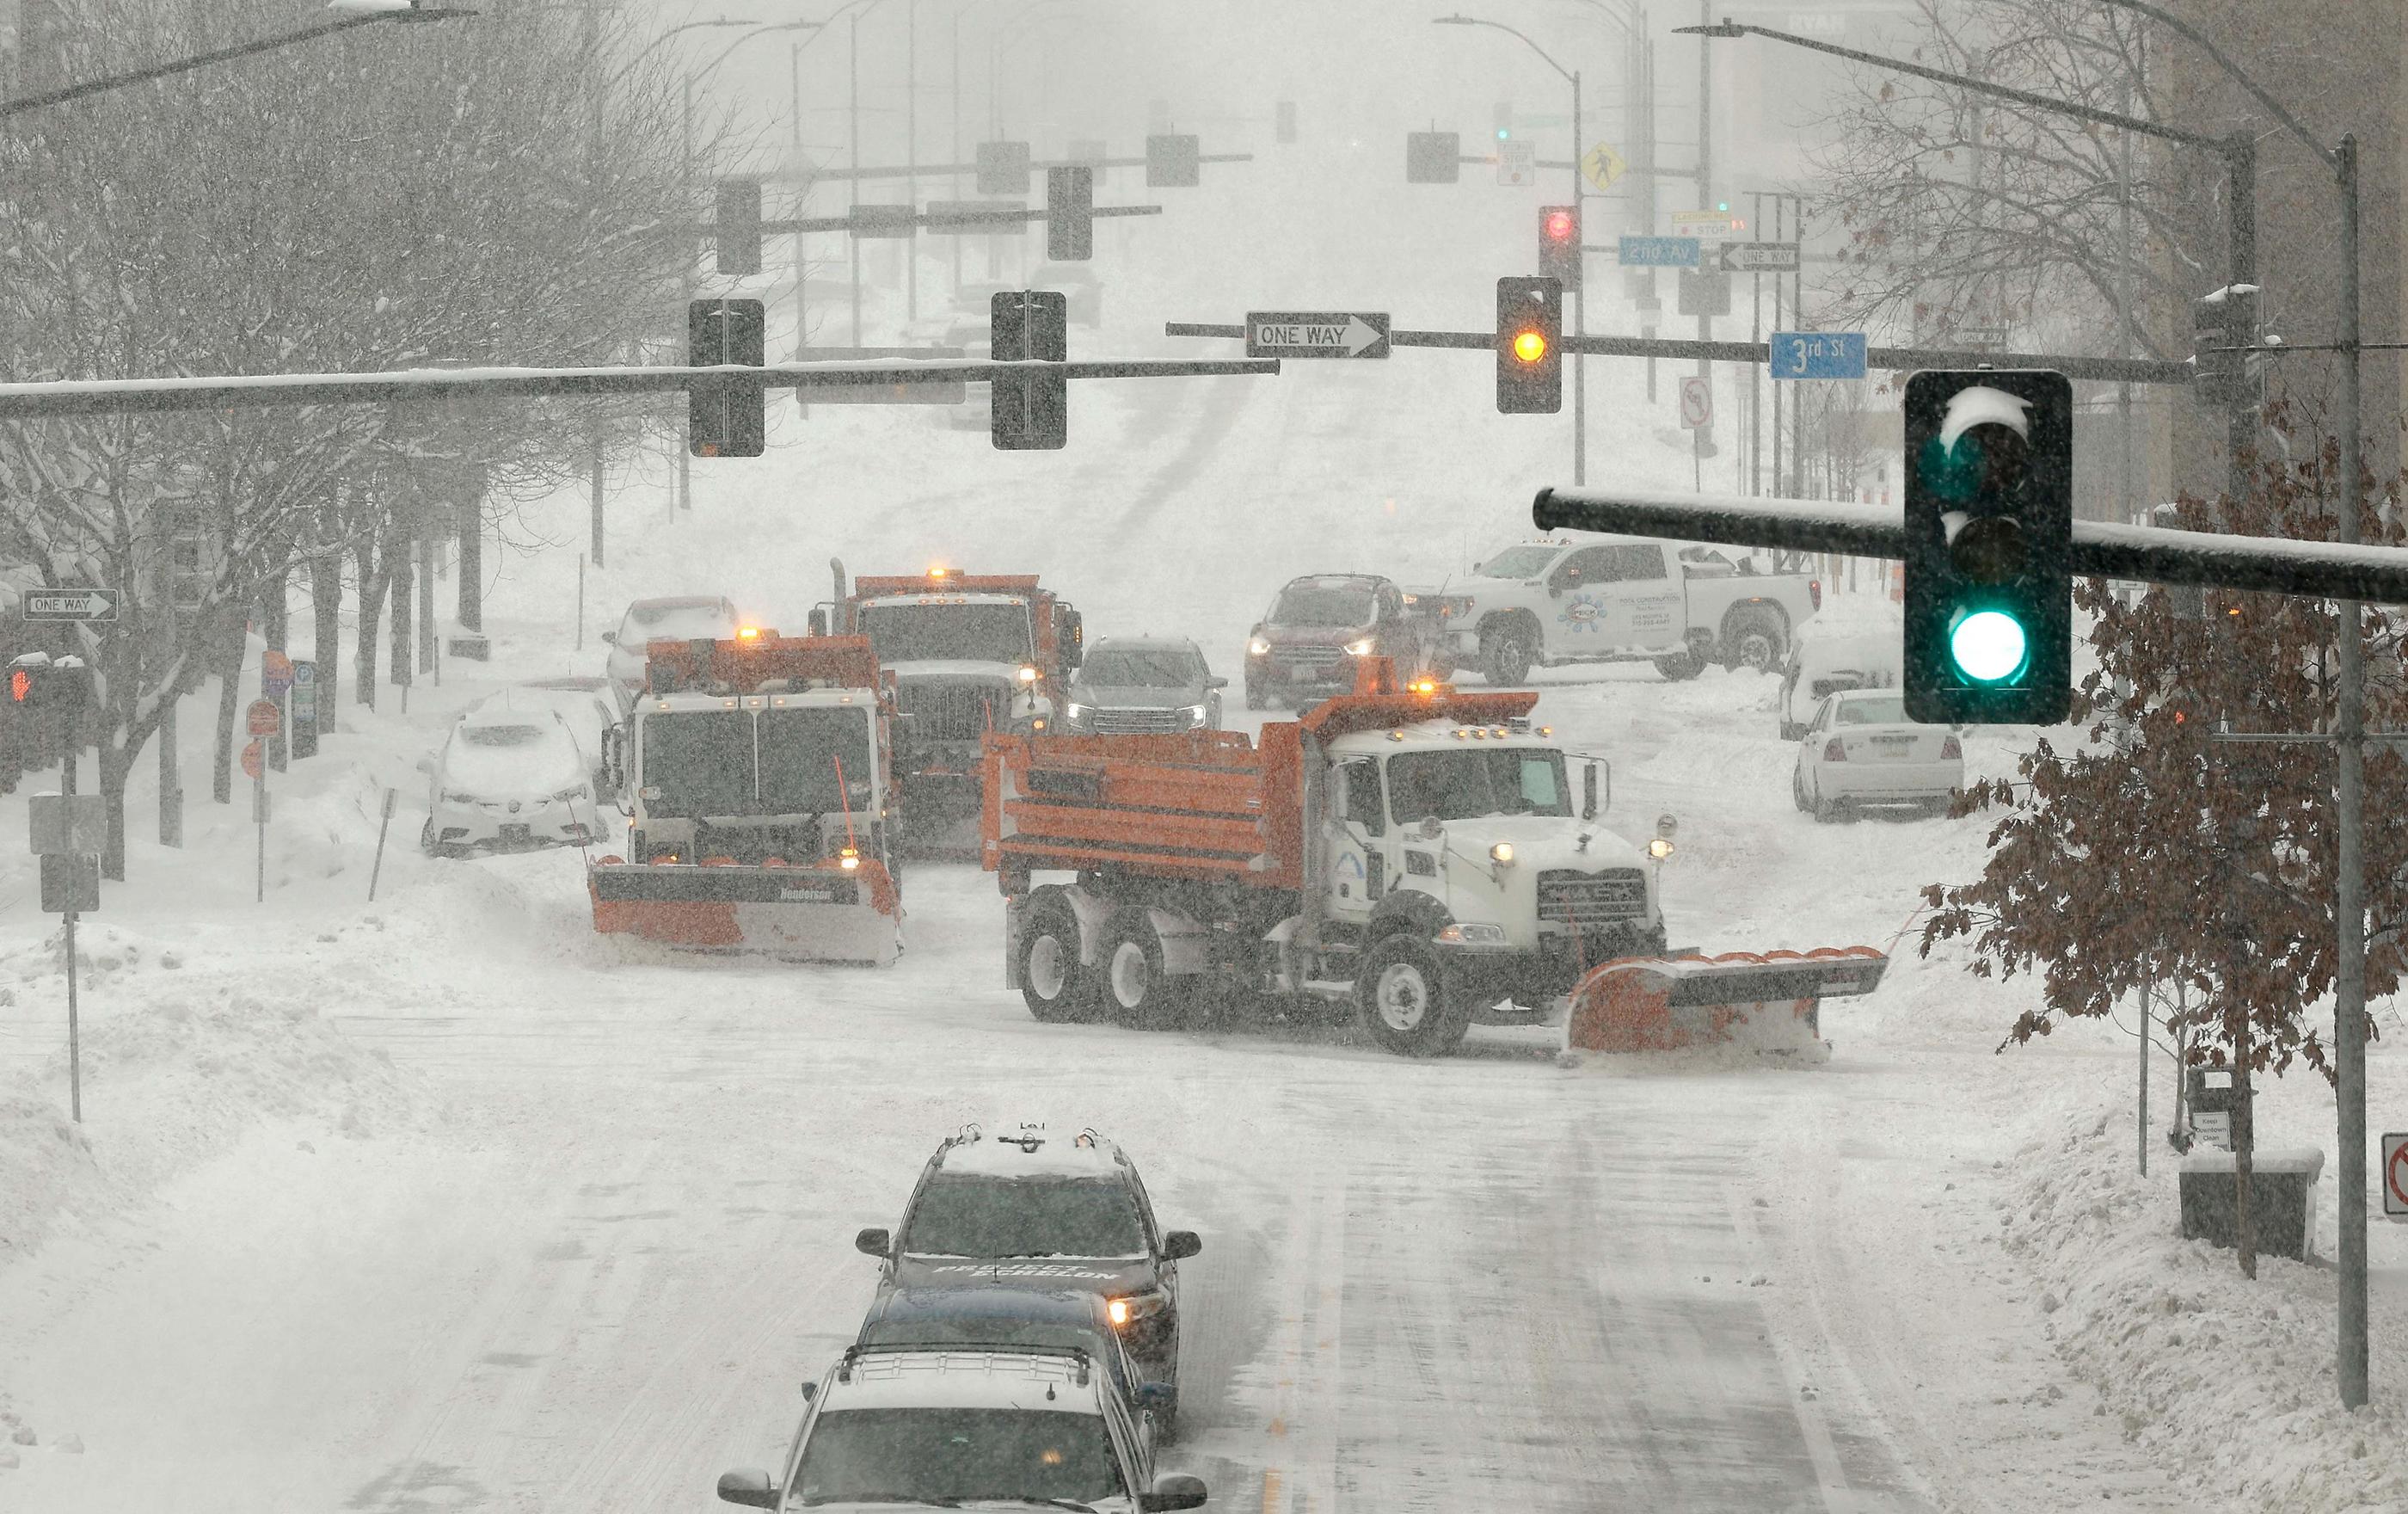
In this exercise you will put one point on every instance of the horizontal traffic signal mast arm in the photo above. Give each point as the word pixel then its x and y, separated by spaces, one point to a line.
pixel 133 397
pixel 935 170
pixel 2101 549
pixel 1896 359
pixel 950 220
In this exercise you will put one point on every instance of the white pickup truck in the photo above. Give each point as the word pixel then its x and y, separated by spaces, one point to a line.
pixel 1613 598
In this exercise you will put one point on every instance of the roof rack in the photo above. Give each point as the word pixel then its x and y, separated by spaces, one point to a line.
pixel 1079 1354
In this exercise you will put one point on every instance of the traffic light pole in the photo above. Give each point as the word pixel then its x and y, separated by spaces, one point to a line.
pixel 1580 308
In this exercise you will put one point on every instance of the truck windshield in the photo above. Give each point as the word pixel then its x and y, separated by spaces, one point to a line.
pixel 1310 604
pixel 1519 562
pixel 1118 666
pixel 949 632
pixel 949 1456
pixel 1468 785
pixel 698 763
pixel 961 1216
pixel 800 751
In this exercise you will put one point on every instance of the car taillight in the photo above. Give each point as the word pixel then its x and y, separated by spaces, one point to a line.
pixel 1814 592
pixel 1950 751
pixel 1834 752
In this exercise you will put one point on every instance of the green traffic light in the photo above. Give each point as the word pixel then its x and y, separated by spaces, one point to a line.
pixel 1990 646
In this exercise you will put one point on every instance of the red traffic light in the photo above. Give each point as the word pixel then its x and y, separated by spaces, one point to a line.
pixel 1559 226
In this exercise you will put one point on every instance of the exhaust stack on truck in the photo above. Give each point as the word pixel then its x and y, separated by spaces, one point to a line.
pixel 757 773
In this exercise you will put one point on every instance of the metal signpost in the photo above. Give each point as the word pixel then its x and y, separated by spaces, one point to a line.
pixel 1658 252
pixel 2395 1176
pixel 376 869
pixel 1818 355
pixel 1316 333
pixel 263 722
pixel 66 831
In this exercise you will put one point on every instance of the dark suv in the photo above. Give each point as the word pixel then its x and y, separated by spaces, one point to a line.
pixel 1029 1209
pixel 1320 628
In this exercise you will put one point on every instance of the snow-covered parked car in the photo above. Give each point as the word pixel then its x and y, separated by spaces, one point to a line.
pixel 509 777
pixel 967 1427
pixel 1860 750
pixel 1820 666
pixel 683 618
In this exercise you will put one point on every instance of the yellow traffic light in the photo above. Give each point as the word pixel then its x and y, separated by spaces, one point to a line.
pixel 1530 346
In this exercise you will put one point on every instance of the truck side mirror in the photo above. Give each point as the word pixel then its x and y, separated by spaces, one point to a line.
pixel 873 1242
pixel 1074 638
pixel 1588 791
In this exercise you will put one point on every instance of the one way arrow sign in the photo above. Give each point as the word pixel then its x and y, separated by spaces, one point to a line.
pixel 70 605
pixel 1316 333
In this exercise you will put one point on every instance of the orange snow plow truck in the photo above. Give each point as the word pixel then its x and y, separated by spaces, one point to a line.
pixel 1429 856
pixel 755 773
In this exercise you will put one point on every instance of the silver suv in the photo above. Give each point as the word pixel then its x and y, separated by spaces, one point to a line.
pixel 915 1429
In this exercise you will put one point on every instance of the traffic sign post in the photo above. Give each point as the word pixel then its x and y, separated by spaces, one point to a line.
pixel 2395 1176
pixel 1658 252
pixel 70 605
pixel 67 830
pixel 1818 355
pixel 254 765
pixel 1316 333
pixel 1758 257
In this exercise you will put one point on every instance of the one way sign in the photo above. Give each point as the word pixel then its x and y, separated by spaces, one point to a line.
pixel 1316 333
pixel 70 605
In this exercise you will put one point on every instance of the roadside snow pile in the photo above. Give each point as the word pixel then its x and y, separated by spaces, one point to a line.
pixel 176 1066
pixel 2226 1381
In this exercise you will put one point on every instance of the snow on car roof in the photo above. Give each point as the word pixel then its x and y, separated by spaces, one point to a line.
pixel 497 709
pixel 1057 1155
pixel 964 1378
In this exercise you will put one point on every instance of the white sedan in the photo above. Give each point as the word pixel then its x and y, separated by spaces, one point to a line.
pixel 508 778
pixel 1861 750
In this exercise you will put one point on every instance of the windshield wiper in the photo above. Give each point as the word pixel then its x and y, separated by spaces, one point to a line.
pixel 1071 1504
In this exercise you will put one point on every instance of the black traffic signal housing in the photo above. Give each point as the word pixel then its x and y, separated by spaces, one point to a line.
pixel 738 228
pixel 1029 411
pixel 1559 244
pixel 1989 522
pixel 1173 160
pixel 1433 157
pixel 1529 346
pixel 2222 323
pixel 1003 168
pixel 725 420
pixel 1070 213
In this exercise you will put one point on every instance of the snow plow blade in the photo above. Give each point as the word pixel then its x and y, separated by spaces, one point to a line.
pixel 1746 1000
pixel 821 914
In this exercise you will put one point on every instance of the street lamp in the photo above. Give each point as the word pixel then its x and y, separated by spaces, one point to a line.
pixel 1580 296
pixel 350 13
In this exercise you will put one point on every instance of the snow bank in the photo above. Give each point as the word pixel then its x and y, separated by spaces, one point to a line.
pixel 176 1065
pixel 2231 1380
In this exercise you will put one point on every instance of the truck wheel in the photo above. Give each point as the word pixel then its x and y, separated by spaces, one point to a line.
pixel 1137 992
pixel 1403 998
pixel 1505 657
pixel 1754 641
pixel 1054 983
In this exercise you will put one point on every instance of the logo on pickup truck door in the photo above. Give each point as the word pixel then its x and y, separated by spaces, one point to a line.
pixel 1583 613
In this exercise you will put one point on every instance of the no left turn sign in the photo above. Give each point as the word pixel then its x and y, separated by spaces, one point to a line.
pixel 1697 403
pixel 2395 1176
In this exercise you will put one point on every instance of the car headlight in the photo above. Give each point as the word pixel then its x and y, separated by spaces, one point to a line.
pixel 1129 1309
pixel 1473 935
pixel 1258 646
pixel 1361 646
pixel 1075 710
pixel 1197 715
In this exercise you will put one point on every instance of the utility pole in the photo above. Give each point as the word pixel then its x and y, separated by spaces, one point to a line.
pixel 1705 189
pixel 1579 303
pixel 2349 969
pixel 852 108
pixel 910 152
pixel 802 196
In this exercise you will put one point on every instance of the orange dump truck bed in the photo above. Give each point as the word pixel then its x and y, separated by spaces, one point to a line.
pixel 1206 804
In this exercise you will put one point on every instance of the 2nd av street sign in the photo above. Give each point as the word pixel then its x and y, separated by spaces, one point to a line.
pixel 1658 252
pixel 70 605
pixel 1316 333
pixel 1760 257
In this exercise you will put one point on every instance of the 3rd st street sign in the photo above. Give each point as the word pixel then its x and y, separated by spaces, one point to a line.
pixel 70 605
pixel 1316 333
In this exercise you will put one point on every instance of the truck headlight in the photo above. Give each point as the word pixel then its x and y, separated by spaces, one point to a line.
pixel 1197 715
pixel 1501 853
pixel 1027 673
pixel 1360 646
pixel 1660 848
pixel 1130 1308
pixel 1473 935
pixel 1258 646
pixel 1075 712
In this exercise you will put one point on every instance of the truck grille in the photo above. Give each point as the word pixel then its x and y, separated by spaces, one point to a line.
pixel 953 711
pixel 1136 722
pixel 1586 899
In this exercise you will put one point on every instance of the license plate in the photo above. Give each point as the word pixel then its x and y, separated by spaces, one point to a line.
pixel 1894 748
pixel 513 833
